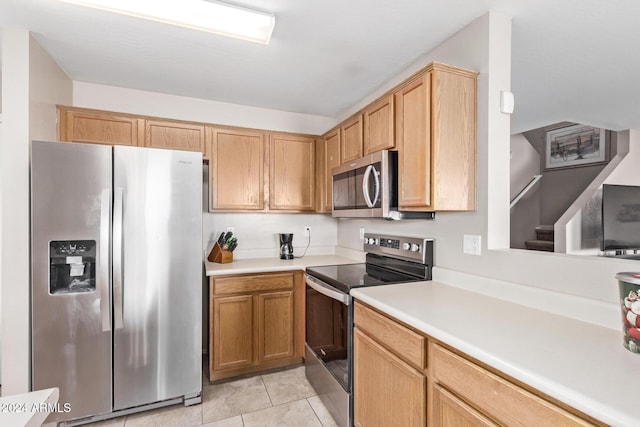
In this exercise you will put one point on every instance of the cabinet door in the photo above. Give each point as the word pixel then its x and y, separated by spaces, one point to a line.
pixel 449 411
pixel 291 177
pixel 275 325
pixel 236 169
pixel 174 135
pixel 495 396
pixel 232 343
pixel 413 138
pixel 379 129
pixel 320 176
pixel 97 128
pixel 351 136
pixel 332 158
pixel 387 391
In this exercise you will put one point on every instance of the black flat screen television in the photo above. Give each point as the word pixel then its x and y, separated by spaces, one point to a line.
pixel 620 217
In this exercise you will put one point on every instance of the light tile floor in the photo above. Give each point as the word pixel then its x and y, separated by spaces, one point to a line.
pixel 280 399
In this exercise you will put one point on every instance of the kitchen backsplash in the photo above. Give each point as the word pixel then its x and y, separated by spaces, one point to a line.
pixel 257 233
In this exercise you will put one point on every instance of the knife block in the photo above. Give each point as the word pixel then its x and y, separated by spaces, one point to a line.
pixel 219 255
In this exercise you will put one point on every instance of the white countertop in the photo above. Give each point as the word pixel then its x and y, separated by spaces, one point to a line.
pixel 28 409
pixel 267 265
pixel 578 363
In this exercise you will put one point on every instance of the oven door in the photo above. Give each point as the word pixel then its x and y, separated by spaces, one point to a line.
pixel 327 327
pixel 328 350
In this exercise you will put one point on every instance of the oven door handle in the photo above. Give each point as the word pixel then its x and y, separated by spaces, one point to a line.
pixel 325 290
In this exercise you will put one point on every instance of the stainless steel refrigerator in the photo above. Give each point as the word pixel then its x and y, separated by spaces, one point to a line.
pixel 116 286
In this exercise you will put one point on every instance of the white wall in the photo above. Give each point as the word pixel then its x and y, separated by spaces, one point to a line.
pixel 15 221
pixel 33 84
pixel 134 101
pixel 481 46
pixel 258 233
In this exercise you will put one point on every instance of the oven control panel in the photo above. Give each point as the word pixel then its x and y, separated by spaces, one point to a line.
pixel 410 248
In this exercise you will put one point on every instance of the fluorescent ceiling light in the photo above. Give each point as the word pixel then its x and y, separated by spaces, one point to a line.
pixel 204 15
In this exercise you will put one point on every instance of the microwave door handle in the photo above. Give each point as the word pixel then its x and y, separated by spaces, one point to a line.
pixel 365 186
pixel 376 178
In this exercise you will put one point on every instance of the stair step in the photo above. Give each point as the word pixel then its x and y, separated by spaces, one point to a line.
pixel 539 245
pixel 545 232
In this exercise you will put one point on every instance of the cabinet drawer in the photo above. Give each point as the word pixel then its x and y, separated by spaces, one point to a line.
pixel 252 283
pixel 494 396
pixel 410 345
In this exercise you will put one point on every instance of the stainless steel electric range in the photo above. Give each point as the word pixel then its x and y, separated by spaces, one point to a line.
pixel 329 312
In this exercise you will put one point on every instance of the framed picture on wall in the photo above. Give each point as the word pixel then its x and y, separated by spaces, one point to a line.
pixel 575 145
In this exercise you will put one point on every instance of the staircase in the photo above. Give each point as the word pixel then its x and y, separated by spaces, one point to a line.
pixel 543 241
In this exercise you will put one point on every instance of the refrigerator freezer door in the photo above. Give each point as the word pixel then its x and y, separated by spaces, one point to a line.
pixel 70 312
pixel 158 349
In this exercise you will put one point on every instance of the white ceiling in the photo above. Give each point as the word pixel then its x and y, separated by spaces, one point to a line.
pixel 574 60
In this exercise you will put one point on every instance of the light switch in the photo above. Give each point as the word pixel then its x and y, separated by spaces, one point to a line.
pixel 471 244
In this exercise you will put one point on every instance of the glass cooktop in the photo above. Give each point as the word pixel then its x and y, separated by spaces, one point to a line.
pixel 347 276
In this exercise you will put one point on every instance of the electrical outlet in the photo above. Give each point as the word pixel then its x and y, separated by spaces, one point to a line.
pixel 471 244
pixel 361 233
pixel 231 229
pixel 307 231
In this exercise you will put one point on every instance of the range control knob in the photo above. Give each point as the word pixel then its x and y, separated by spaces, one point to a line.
pixel 406 246
pixel 415 247
pixel 371 241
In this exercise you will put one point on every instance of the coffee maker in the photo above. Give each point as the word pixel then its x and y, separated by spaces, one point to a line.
pixel 286 248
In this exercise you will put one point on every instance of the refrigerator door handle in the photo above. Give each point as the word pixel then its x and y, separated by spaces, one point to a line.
pixel 105 239
pixel 118 306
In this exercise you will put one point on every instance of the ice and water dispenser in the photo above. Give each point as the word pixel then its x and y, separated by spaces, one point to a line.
pixel 72 265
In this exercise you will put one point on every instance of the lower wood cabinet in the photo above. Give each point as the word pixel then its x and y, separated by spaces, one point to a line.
pixel 493 396
pixel 448 410
pixel 389 392
pixel 393 387
pixel 256 322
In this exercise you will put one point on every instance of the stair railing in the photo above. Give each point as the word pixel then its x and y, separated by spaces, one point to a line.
pixel 525 190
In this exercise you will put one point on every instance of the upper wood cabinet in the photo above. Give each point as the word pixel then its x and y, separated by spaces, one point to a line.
pixel 351 139
pixel 291 172
pixel 379 125
pixel 94 127
pixel 174 135
pixel 436 140
pixel 236 169
pixel 332 158
pixel 414 143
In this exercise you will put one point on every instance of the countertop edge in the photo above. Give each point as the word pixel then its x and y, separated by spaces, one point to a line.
pixel 268 265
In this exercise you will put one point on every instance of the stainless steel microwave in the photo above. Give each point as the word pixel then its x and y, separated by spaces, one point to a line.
pixel 368 188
